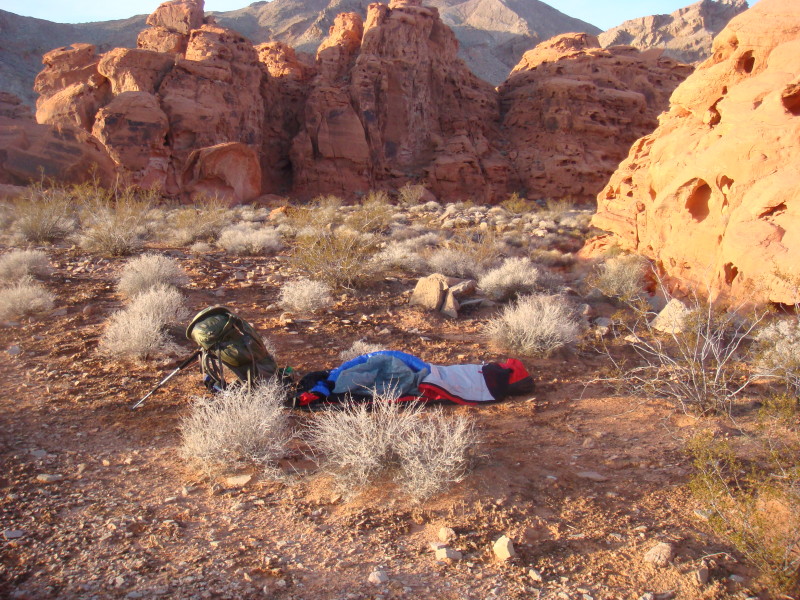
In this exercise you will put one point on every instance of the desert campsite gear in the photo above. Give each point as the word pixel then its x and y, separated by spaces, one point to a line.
pixel 226 339
pixel 407 377
pixel 189 360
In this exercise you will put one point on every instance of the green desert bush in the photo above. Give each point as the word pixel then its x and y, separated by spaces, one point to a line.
pixel 24 297
pixel 535 325
pixel 342 258
pixel 515 277
pixel 18 264
pixel 237 427
pixel 305 295
pixel 249 239
pixel 150 270
pixel 361 444
pixel 139 331
pixel 752 491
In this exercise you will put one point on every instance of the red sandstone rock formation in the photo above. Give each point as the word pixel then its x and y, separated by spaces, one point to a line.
pixel 712 194
pixel 572 109
pixel 230 171
pixel 395 107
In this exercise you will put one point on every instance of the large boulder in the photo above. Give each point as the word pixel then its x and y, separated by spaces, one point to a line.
pixel 228 171
pixel 132 70
pixel 132 127
pixel 572 110
pixel 712 194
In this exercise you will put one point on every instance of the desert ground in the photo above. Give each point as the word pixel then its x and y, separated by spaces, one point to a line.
pixel 98 501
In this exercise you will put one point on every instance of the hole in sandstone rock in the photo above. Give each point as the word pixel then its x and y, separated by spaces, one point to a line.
pixel 724 89
pixel 773 211
pixel 746 62
pixel 730 273
pixel 697 202
pixel 725 183
pixel 791 98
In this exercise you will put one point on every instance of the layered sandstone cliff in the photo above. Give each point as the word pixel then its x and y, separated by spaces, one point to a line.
pixel 712 194
pixel 571 110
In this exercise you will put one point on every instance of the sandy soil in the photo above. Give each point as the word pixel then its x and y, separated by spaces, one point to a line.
pixel 583 483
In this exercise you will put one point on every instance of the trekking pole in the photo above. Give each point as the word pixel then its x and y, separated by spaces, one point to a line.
pixel 180 367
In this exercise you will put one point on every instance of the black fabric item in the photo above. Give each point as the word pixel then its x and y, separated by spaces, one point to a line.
pixel 496 378
pixel 309 380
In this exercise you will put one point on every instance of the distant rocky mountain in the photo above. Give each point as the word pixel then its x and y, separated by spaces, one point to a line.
pixel 685 34
pixel 493 34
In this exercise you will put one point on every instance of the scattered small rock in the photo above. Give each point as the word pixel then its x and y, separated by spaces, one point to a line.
pixel 378 577
pixel 660 555
pixel 701 575
pixel 504 548
pixel 237 481
pixel 446 534
pixel 671 318
pixel 535 575
pixel 448 554
pixel 13 534
pixel 47 478
pixel 592 475
pixel 14 350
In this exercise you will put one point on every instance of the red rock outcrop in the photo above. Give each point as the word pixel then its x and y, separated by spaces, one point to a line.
pixel 229 171
pixel 571 110
pixel 130 70
pixel 396 106
pixel 712 194
pixel 170 25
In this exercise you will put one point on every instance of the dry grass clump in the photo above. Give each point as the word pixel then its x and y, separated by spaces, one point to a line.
pixel 535 325
pixel 342 258
pixel 359 348
pixel 18 264
pixel 360 444
pixel 236 427
pixel 410 194
pixel 305 295
pixel 514 277
pixel 406 255
pixel 139 331
pixel 323 212
pixel 150 270
pixel 374 213
pixel 251 240
pixel 24 297
pixel 621 277
pixel 468 256
pixel 552 258
pixel 44 215
pixel 202 222
pixel 518 205
pixel 113 224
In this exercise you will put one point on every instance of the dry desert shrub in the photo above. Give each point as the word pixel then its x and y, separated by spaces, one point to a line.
pixel 114 224
pixel 323 212
pixel 516 276
pixel 305 295
pixel 18 264
pixel 410 194
pixel 467 255
pixel 778 353
pixel 374 214
pixel 436 453
pixel 536 325
pixel 362 443
pixel 202 222
pixel 552 258
pixel 359 348
pixel 24 297
pixel 249 239
pixel 621 277
pixel 406 255
pixel 342 258
pixel 44 214
pixel 150 270
pixel 236 427
pixel 139 331
pixel 519 205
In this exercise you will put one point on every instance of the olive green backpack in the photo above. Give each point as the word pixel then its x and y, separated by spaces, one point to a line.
pixel 226 339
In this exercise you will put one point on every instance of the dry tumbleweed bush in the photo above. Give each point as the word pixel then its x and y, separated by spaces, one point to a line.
pixel 249 239
pixel 621 277
pixel 514 277
pixel 147 271
pixel 536 324
pixel 25 297
pixel 359 348
pixel 361 443
pixel 18 264
pixel 238 425
pixel 305 295
pixel 139 331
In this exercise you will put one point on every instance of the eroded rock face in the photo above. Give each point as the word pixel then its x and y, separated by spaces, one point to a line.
pixel 228 171
pixel 712 194
pixel 130 70
pixel 572 109
pixel 685 35
pixel 396 106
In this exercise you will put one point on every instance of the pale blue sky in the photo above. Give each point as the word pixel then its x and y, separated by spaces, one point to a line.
pixel 601 14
